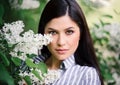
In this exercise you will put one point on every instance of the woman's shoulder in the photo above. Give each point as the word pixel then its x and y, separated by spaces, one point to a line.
pixel 90 71
pixel 86 68
pixel 87 71
pixel 89 75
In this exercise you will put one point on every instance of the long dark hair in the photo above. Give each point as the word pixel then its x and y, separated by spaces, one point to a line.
pixel 85 53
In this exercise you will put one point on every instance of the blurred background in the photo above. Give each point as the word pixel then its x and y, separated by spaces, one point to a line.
pixel 103 17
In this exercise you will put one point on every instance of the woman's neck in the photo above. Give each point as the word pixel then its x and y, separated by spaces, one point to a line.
pixel 53 64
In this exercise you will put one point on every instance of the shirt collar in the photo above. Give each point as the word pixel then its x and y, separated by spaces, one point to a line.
pixel 70 61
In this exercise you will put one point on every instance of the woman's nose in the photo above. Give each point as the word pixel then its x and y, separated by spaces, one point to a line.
pixel 61 40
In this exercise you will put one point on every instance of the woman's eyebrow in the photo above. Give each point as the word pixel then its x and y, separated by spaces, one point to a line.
pixel 64 29
pixel 52 29
pixel 70 28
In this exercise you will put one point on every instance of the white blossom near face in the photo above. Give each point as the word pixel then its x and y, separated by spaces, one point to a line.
pixel 27 42
pixel 65 34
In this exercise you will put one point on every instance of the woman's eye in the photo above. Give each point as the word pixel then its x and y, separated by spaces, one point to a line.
pixel 52 32
pixel 69 32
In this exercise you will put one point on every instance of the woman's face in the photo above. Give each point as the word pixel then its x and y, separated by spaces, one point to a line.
pixel 66 36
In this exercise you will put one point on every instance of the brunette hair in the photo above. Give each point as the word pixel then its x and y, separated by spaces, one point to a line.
pixel 85 53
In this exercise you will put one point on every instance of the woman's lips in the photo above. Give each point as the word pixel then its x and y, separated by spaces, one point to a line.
pixel 61 51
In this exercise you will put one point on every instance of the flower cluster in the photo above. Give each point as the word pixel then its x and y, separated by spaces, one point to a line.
pixel 97 3
pixel 26 43
pixel 110 32
pixel 50 77
pixel 25 46
pixel 26 4
pixel 114 31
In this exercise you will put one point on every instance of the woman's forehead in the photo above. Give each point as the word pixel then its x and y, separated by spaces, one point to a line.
pixel 61 22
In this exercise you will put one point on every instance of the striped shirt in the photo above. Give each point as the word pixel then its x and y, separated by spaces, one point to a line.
pixel 74 74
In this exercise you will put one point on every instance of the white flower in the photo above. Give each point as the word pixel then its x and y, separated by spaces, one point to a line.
pixel 50 77
pixel 30 4
pixel 22 82
pixel 26 4
pixel 97 3
pixel 16 27
pixel 112 33
pixel 28 43
pixel 117 78
pixel 25 43
pixel 34 79
pixel 12 31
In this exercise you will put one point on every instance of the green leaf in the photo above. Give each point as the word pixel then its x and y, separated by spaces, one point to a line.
pixel 28 80
pixel 37 74
pixel 10 45
pixel 19 53
pixel 30 63
pixel 4 76
pixel 102 23
pixel 1 13
pixel 31 55
pixel 16 61
pixel 20 2
pixel 108 76
pixel 4 59
pixel 1 10
pixel 109 16
pixel 107 23
pixel 96 25
pixel 42 66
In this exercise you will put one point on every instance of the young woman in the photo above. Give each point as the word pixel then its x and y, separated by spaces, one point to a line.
pixel 71 50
